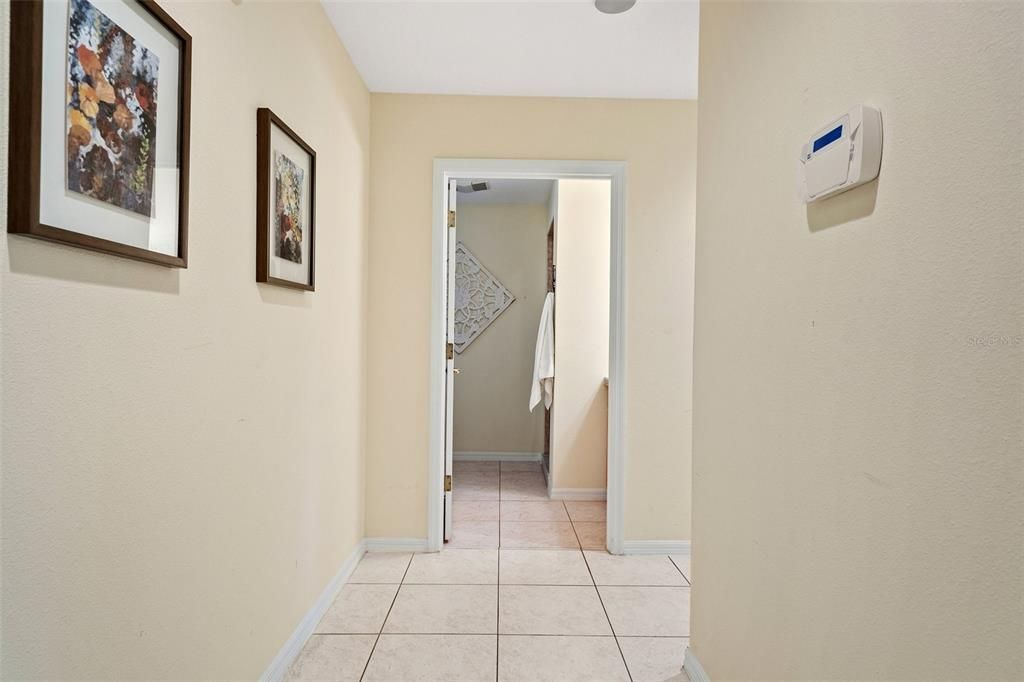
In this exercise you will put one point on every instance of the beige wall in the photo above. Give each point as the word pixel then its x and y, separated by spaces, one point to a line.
pixel 182 469
pixel 657 139
pixel 579 415
pixel 492 392
pixel 858 481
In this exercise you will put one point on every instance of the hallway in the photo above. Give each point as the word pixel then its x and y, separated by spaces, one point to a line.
pixel 540 607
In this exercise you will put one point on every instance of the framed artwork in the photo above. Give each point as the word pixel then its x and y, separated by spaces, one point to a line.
pixel 99 127
pixel 285 204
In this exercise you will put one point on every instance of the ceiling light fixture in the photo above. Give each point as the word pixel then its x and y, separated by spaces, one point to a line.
pixel 613 6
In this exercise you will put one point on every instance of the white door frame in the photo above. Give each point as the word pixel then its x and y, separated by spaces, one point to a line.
pixel 445 169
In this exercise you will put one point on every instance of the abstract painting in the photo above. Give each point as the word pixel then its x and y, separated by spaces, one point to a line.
pixel 111 111
pixel 285 205
pixel 287 209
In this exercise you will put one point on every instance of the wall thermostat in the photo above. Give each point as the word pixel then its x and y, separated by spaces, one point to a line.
pixel 845 153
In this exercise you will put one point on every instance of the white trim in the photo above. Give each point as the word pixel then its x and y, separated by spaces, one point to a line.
pixel 692 667
pixel 581 494
pixel 445 169
pixel 469 456
pixel 396 545
pixel 656 547
pixel 278 667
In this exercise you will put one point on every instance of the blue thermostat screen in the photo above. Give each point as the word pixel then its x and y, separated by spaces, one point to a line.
pixel 828 138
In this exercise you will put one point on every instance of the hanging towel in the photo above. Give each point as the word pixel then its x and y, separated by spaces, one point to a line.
pixel 544 356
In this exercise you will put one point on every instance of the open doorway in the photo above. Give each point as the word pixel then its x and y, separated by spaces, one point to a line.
pixel 552 478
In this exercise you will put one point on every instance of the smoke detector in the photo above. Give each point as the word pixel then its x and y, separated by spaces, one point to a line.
pixel 613 6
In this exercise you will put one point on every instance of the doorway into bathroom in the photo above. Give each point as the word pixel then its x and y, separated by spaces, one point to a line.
pixel 528 302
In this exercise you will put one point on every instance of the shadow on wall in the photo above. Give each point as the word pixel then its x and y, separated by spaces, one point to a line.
pixel 851 205
pixel 35 257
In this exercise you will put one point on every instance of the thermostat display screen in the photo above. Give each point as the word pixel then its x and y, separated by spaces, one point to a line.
pixel 828 138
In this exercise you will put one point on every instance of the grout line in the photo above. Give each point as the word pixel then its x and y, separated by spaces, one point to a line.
pixel 388 615
pixel 576 535
pixel 685 577
pixel 605 609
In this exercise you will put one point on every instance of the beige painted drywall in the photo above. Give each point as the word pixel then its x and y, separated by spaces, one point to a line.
pixel 182 468
pixel 579 416
pixel 493 388
pixel 657 140
pixel 858 476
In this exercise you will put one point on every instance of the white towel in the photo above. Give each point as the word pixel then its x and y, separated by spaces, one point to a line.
pixel 544 357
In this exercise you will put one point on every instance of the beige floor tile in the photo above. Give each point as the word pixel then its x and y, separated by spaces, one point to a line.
pixel 682 562
pixel 455 567
pixel 648 611
pixel 592 512
pixel 654 659
pixel 358 609
pixel 538 535
pixel 474 535
pixel 475 510
pixel 547 610
pixel 338 658
pixel 466 466
pixel 444 609
pixel 381 567
pixel 475 477
pixel 559 659
pixel 533 510
pixel 632 570
pixel 523 487
pixel 523 478
pixel 543 567
pixel 472 490
pixel 521 467
pixel 591 535
pixel 429 658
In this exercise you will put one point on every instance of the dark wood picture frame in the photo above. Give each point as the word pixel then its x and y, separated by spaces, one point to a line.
pixel 25 136
pixel 265 120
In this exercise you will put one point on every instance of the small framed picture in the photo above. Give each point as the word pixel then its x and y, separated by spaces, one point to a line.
pixel 285 204
pixel 99 120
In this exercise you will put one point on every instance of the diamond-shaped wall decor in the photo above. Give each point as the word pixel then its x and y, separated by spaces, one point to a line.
pixel 479 297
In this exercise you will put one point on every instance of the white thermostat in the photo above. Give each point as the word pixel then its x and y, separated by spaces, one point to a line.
pixel 845 153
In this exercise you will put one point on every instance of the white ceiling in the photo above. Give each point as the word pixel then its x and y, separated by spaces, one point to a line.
pixel 545 49
pixel 509 192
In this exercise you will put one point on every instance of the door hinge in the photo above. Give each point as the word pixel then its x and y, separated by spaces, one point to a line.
pixel 450 351
pixel 451 218
pixel 448 483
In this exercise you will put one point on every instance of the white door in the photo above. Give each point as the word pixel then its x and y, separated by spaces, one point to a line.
pixel 450 362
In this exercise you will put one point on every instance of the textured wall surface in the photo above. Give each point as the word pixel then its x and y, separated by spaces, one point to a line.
pixel 657 139
pixel 182 449
pixel 492 392
pixel 858 465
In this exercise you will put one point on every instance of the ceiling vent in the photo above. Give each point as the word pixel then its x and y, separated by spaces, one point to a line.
pixel 473 187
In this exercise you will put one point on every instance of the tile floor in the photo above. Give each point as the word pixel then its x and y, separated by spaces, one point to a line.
pixel 521 595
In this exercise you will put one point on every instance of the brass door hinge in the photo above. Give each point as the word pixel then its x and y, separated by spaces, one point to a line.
pixel 451 218
pixel 450 351
pixel 448 483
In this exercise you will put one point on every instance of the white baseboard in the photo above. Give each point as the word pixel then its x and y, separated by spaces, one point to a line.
pixel 496 456
pixel 278 667
pixel 395 544
pixel 656 547
pixel 581 494
pixel 693 669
